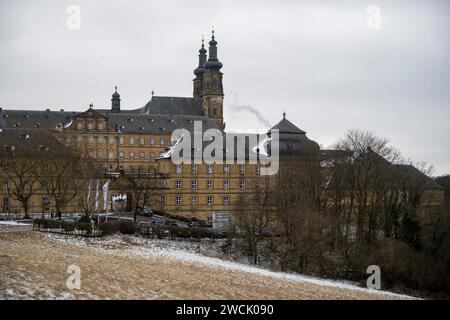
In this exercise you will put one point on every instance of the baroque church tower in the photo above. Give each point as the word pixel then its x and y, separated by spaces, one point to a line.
pixel 208 83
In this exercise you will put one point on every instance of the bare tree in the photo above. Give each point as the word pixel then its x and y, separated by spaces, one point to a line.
pixel 58 177
pixel 253 217
pixel 143 187
pixel 22 155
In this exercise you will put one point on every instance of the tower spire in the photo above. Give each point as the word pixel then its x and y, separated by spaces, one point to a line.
pixel 201 60
pixel 115 101
pixel 213 62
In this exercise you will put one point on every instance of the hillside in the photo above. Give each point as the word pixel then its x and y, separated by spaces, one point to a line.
pixel 34 265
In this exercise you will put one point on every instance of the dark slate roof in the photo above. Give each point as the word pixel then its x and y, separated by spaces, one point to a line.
pixel 33 143
pixel 156 123
pixel 285 126
pixel 242 150
pixel 293 141
pixel 172 105
pixel 129 121
pixel 34 119
pixel 409 170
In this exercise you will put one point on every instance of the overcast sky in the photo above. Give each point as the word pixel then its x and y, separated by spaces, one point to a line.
pixel 316 60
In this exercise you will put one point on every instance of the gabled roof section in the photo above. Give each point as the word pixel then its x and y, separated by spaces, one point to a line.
pixel 90 113
pixel 172 106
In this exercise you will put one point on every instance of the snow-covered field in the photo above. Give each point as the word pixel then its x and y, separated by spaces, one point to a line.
pixel 126 267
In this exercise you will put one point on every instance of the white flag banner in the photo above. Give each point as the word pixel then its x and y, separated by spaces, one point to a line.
pixel 89 191
pixel 97 194
pixel 105 190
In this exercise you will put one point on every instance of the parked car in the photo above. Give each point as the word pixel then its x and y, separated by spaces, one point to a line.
pixel 72 219
pixel 182 224
pixel 146 212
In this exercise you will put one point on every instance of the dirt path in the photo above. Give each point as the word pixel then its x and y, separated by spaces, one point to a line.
pixel 34 266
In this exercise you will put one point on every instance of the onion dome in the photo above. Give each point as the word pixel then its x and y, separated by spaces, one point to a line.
pixel 213 62
pixel 201 60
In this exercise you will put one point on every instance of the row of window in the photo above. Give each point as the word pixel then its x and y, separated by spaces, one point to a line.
pixel 210 184
pixel 194 200
pixel 131 140
pixel 90 125
pixel 210 169
pixel 131 155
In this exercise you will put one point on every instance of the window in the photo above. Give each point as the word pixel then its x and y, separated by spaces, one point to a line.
pixel 226 200
pixel 5 184
pixel 80 138
pixel 226 169
pixel 100 154
pixel 242 169
pixel 178 169
pixel 121 140
pixel 210 184
pixel 152 141
pixel 111 140
pixel 210 168
pixel 90 125
pixel 79 125
pixel 5 205
pixel 26 185
pixel 226 184
pixel 178 200
pixel 90 139
pixel 100 126
pixel 131 140
pixel 120 155
pixel 178 184
pixel 241 184
pixel 45 203
pixel 131 155
pixel 258 184
pixel 194 184
pixel 258 170
pixel 110 155
pixel 141 155
pixel 210 201
pixel 141 140
pixel 161 141
pixel 100 140
pixel 162 200
pixel 194 168
pixel 194 201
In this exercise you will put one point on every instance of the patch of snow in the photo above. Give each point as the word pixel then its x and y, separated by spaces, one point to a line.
pixel 196 253
pixel 14 223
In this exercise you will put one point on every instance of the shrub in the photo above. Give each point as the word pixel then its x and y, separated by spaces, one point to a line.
pixel 126 227
pixel 110 227
pixel 85 226
pixel 69 226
